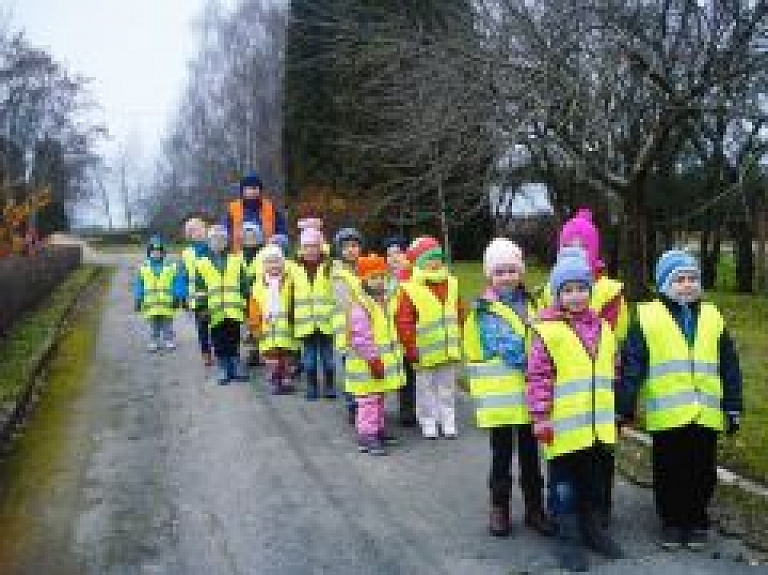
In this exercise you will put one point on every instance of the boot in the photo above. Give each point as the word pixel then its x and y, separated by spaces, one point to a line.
pixel 239 372
pixel 570 554
pixel 329 391
pixel 223 372
pixel 598 538
pixel 536 517
pixel 406 408
pixel 311 386
pixel 207 359
pixel 351 405
pixel 498 524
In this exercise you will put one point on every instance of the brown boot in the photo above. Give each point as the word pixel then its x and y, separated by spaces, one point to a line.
pixel 536 517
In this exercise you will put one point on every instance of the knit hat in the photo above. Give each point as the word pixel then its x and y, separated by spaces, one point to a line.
pixel 502 251
pixel 310 236
pixel 398 241
pixel 424 249
pixel 217 230
pixel 156 243
pixel 670 264
pixel 571 266
pixel 581 228
pixel 346 235
pixel 250 180
pixel 306 223
pixel 272 252
pixel 195 229
pixel 282 241
pixel 370 265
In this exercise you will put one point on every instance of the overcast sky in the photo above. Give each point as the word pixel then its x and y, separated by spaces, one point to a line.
pixel 136 51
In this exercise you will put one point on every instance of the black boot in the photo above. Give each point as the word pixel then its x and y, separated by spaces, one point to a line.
pixel 498 522
pixel 406 407
pixel 598 537
pixel 329 391
pixel 311 386
pixel 536 517
pixel 568 548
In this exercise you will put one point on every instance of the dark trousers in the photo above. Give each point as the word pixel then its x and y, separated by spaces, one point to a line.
pixel 203 325
pixel 503 440
pixel 225 337
pixel 684 475
pixel 576 480
pixel 406 395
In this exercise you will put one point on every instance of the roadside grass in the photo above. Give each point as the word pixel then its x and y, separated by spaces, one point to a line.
pixel 27 338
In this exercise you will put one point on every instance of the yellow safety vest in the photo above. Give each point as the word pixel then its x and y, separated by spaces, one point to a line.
pixel 437 328
pixel 498 391
pixel 223 290
pixel 340 273
pixel 358 377
pixel 277 332
pixel 190 264
pixel 604 292
pixel 158 291
pixel 583 410
pixel 683 384
pixel 313 302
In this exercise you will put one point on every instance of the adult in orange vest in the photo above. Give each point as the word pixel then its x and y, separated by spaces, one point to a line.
pixel 254 208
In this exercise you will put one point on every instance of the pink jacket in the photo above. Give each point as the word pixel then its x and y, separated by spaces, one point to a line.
pixel 541 369
pixel 361 333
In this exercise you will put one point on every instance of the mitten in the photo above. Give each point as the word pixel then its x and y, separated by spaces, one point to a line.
pixel 377 368
pixel 732 422
pixel 544 432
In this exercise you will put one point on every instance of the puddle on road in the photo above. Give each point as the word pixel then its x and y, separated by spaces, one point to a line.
pixel 40 469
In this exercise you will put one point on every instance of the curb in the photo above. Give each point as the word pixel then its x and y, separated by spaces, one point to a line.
pixel 10 420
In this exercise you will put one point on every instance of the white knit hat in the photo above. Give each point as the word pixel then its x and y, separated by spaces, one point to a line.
pixel 272 252
pixel 502 251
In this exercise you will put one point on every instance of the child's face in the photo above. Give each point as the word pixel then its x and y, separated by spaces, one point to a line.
pixel 686 287
pixel 377 283
pixel 574 296
pixel 156 254
pixel 396 258
pixel 433 265
pixel 575 242
pixel 273 266
pixel 312 252
pixel 218 244
pixel 506 277
pixel 350 251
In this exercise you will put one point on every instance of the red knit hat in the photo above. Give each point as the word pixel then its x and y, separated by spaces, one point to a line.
pixel 371 265
pixel 423 246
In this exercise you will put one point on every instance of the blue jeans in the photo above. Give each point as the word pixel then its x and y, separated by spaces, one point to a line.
pixel 576 479
pixel 317 353
pixel 161 329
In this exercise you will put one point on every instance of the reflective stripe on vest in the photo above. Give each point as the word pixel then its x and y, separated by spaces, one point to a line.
pixel 583 401
pixel 498 391
pixel 339 273
pixel 277 331
pixel 313 303
pixel 358 378
pixel 158 291
pixel 223 290
pixel 683 384
pixel 437 328
pixel 189 258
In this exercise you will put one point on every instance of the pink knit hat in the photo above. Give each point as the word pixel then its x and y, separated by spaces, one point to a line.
pixel 580 229
pixel 502 251
pixel 306 223
pixel 310 236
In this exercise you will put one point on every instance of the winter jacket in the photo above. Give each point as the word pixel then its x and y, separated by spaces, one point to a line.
pixel 179 280
pixel 406 317
pixel 361 337
pixel 252 213
pixel 635 362
pixel 496 335
pixel 540 374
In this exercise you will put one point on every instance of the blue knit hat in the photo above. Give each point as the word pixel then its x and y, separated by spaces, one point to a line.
pixel 572 266
pixel 283 241
pixel 346 235
pixel 250 180
pixel 670 264
pixel 155 243
pixel 398 241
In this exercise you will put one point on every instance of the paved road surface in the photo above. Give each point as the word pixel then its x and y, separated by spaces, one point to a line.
pixel 158 470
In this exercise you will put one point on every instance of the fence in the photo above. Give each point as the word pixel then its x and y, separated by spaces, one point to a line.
pixel 26 281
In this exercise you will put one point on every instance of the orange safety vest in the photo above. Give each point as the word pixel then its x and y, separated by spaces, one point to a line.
pixel 236 216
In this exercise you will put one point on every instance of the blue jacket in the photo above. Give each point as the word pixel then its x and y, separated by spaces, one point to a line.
pixel 635 360
pixel 179 280
pixel 496 336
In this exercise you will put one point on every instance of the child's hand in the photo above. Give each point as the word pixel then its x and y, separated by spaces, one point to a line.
pixel 544 432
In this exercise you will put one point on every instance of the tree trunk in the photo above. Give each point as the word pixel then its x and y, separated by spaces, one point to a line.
pixel 761 236
pixel 635 264
pixel 745 259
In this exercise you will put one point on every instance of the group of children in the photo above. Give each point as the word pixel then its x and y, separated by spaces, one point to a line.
pixel 558 372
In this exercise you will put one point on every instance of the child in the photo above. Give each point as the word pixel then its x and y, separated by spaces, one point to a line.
pixel 496 335
pixel 195 232
pixel 347 244
pixel 158 292
pixel 682 361
pixel 313 308
pixel 399 272
pixel 428 324
pixel 374 361
pixel 271 319
pixel 253 241
pixel 223 276
pixel 571 369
